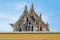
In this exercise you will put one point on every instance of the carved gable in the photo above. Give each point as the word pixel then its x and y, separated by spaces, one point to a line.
pixel 30 21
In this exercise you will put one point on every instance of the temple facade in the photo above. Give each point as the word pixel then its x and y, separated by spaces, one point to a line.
pixel 30 21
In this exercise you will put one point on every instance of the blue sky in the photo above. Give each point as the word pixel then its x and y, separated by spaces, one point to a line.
pixel 11 10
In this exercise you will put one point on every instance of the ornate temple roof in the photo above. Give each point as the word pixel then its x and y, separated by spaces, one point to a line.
pixel 30 19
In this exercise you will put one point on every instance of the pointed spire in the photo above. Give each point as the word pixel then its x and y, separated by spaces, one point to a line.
pixel 25 7
pixel 40 15
pixel 32 6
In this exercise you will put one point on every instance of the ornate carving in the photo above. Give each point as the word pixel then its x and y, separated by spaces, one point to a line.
pixel 34 22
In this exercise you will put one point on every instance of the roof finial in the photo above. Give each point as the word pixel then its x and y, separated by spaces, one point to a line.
pixel 32 7
pixel 25 7
pixel 40 15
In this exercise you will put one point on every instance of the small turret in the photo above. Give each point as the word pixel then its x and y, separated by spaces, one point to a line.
pixel 32 7
pixel 25 8
pixel 40 16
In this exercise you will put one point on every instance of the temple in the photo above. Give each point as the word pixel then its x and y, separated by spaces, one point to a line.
pixel 30 21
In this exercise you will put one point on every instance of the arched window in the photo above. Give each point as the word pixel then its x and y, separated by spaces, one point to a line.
pixel 40 28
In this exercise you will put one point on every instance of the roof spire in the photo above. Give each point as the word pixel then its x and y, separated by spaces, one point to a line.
pixel 32 7
pixel 40 15
pixel 25 7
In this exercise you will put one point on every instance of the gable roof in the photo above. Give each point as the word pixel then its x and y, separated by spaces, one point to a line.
pixel 29 14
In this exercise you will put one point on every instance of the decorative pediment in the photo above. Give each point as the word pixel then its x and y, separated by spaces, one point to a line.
pixel 30 21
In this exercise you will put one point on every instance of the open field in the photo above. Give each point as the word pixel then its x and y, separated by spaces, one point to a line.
pixel 29 36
